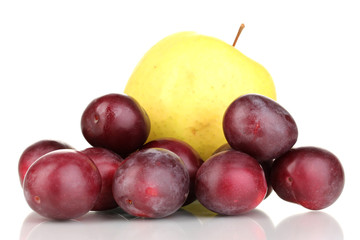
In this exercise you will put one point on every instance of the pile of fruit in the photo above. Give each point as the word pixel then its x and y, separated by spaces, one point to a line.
pixel 152 171
pixel 157 178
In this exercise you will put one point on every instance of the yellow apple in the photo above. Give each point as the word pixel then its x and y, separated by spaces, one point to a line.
pixel 186 81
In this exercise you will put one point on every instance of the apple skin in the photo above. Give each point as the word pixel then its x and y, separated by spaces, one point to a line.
pixel 188 155
pixel 187 80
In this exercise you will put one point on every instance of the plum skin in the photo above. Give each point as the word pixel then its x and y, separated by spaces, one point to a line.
pixel 151 183
pixel 310 176
pixel 259 126
pixel 107 163
pixel 230 183
pixel 188 155
pixel 36 150
pixel 266 165
pixel 116 122
pixel 62 185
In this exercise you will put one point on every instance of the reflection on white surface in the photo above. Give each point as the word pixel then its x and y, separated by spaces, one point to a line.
pixel 195 223
pixel 309 226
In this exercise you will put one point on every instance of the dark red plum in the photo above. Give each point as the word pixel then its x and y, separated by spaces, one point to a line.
pixel 116 122
pixel 230 183
pixel 259 126
pixel 107 163
pixel 151 183
pixel 309 176
pixel 187 154
pixel 36 150
pixel 266 165
pixel 63 184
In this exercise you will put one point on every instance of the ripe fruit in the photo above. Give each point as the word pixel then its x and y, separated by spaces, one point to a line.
pixel 187 154
pixel 186 81
pixel 259 126
pixel 266 165
pixel 152 183
pixel 62 184
pixel 116 122
pixel 36 150
pixel 107 162
pixel 230 183
pixel 188 84
pixel 310 176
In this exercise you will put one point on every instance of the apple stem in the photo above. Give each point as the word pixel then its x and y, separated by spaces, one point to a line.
pixel 238 34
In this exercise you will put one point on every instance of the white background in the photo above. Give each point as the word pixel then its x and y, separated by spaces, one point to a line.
pixel 56 56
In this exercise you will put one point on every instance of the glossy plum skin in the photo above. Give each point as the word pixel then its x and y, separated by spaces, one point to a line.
pixel 188 155
pixel 266 165
pixel 230 183
pixel 36 150
pixel 116 122
pixel 63 184
pixel 107 163
pixel 151 183
pixel 259 126
pixel 309 176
